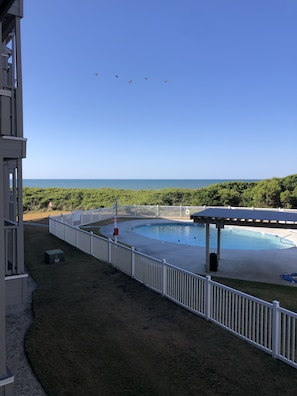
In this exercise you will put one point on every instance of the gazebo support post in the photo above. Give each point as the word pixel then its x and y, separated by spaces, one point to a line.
pixel 207 265
pixel 219 242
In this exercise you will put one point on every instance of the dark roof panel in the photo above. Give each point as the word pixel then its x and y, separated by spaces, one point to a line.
pixel 246 216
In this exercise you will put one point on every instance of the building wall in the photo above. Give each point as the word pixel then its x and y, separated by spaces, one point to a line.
pixel 12 150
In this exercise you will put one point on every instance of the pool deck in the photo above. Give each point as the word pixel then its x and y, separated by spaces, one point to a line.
pixel 254 265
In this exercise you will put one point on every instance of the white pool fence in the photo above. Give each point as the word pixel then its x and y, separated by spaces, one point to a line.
pixel 265 325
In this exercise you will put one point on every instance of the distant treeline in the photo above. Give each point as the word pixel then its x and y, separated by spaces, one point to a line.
pixel 269 193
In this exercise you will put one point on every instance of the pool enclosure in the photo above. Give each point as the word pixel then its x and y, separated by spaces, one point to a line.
pixel 221 217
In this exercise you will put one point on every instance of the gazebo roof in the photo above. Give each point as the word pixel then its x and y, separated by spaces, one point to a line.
pixel 247 217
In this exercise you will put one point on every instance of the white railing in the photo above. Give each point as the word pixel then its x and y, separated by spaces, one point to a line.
pixel 80 217
pixel 267 326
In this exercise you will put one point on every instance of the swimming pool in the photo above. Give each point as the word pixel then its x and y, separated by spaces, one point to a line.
pixel 194 234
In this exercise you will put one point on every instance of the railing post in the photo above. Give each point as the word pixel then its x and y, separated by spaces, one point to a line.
pixel 109 250
pixel 164 278
pixel 275 329
pixel 132 262
pixel 76 237
pixel 91 243
pixel 207 296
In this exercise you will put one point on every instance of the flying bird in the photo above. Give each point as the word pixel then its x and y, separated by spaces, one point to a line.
pixel 130 81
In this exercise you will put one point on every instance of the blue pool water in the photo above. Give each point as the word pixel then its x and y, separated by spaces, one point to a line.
pixel 194 234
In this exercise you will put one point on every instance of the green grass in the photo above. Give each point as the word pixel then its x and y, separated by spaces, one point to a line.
pixel 98 332
pixel 286 295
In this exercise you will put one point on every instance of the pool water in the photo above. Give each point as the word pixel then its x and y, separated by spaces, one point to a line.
pixel 231 238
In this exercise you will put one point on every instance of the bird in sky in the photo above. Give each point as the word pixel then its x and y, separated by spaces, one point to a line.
pixel 130 81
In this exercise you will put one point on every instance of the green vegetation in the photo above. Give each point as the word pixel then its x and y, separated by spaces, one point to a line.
pixel 269 193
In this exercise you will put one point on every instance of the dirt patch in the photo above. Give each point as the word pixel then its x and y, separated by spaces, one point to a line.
pixel 29 216
pixel 98 332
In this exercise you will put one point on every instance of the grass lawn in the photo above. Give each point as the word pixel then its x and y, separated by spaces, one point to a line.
pixel 98 332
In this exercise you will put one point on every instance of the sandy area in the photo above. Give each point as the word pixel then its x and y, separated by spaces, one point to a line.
pixel 42 215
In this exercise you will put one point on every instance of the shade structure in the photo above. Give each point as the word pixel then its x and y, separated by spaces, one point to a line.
pixel 221 216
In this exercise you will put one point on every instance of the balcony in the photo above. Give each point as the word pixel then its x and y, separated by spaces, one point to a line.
pixel 15 278
pixel 10 241
pixel 13 147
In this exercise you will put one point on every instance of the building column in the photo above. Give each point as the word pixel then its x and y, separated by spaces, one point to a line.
pixel 2 282
pixel 6 379
pixel 20 238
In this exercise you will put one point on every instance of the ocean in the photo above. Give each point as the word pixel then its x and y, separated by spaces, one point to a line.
pixel 127 184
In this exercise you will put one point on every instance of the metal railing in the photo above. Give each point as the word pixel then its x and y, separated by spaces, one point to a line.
pixel 82 217
pixel 265 325
pixel 10 247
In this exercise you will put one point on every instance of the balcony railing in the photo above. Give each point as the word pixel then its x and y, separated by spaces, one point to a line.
pixel 10 240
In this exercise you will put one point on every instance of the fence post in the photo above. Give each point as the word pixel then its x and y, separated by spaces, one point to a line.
pixel 132 262
pixel 109 250
pixel 91 243
pixel 275 329
pixel 76 237
pixel 164 278
pixel 207 296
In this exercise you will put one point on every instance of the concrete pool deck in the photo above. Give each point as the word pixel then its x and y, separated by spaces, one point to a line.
pixel 254 265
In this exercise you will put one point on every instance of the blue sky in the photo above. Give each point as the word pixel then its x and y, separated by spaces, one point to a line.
pixel 212 91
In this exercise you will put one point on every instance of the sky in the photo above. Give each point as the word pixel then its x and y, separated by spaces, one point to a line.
pixel 159 89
